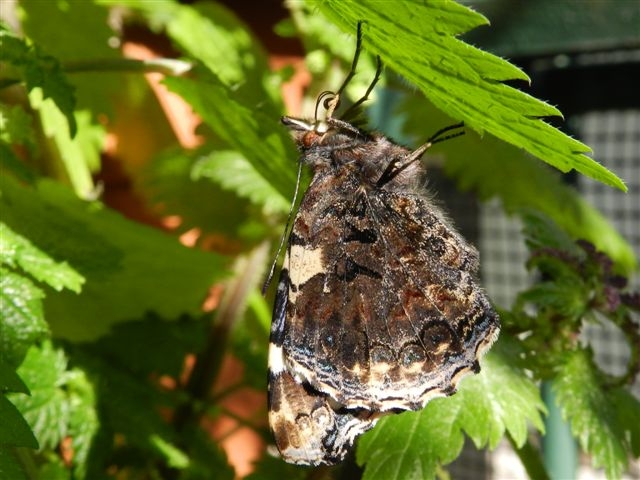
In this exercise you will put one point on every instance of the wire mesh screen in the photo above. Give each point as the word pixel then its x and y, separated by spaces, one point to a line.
pixel 615 138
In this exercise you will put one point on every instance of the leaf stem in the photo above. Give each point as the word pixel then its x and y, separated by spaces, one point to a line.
pixel 167 66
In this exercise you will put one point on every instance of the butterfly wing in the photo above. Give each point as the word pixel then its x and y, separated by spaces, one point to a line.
pixel 306 426
pixel 382 312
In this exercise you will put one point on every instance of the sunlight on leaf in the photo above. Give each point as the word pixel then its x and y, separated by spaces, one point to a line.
pixel 233 172
pixel 461 80
pixel 129 268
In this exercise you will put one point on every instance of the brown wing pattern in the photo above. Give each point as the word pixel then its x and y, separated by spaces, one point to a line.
pixel 377 310
pixel 383 310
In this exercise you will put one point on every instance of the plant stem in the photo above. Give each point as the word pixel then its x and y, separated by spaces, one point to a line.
pixel 168 66
pixel 209 362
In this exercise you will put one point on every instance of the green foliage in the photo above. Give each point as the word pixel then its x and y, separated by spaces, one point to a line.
pixel 14 430
pixel 38 71
pixel 500 399
pixel 605 420
pixel 16 250
pixel 579 286
pixel 140 268
pixel 461 80
pixel 99 312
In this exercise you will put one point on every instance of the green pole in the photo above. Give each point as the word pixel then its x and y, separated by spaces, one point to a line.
pixel 559 449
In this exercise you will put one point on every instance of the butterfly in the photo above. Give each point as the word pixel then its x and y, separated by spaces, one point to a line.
pixel 377 309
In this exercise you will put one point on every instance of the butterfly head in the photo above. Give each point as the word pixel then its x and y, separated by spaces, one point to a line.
pixel 309 133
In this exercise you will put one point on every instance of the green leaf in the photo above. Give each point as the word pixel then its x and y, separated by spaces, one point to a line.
pixel 234 92
pixel 16 126
pixel 461 80
pixel 15 250
pixel 540 233
pixel 130 405
pixel 269 468
pixel 563 297
pixel 77 156
pixel 47 409
pixel 212 33
pixel 628 412
pixel 129 268
pixel 10 381
pixel 83 50
pixel 604 422
pixel 14 430
pixel 257 136
pixel 207 459
pixel 500 399
pixel 233 172
pixel 21 319
pixel 200 203
pixel 62 403
pixel 41 71
pixel 153 346
pixel 9 465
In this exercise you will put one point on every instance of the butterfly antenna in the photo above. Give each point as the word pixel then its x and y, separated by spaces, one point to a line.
pixel 438 136
pixel 364 98
pixel 395 168
pixel 267 282
pixel 354 63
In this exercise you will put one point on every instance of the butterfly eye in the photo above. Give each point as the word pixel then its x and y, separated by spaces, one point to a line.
pixel 329 101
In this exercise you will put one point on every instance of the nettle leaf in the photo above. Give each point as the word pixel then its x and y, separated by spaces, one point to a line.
pixel 628 411
pixel 461 80
pixel 129 268
pixel 125 401
pixel 604 420
pixel 269 468
pixel 255 134
pixel 40 70
pixel 15 250
pixel 501 399
pixel 562 297
pixel 206 458
pixel 14 430
pixel 10 381
pixel 153 346
pixel 10 466
pixel 234 172
pixel 62 402
pixel 84 50
pixel 16 126
pixel 234 93
pixel 168 181
pixel 21 316
pixel 212 33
